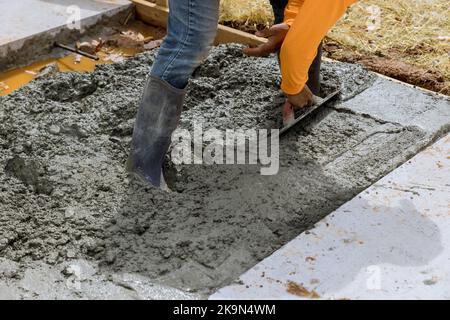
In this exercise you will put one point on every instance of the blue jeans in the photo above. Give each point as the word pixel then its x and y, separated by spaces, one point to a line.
pixel 191 30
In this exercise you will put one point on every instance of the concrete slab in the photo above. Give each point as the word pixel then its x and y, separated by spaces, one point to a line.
pixel 390 242
pixel 390 101
pixel 28 17
pixel 33 24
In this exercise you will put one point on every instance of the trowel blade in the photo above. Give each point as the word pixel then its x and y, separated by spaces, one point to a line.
pixel 307 111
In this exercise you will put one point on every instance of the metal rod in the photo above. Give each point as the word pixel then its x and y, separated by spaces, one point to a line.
pixel 75 50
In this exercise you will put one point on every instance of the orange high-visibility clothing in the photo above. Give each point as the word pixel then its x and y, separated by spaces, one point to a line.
pixel 310 20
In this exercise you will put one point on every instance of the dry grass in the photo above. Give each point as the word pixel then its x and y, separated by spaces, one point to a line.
pixel 416 32
pixel 249 15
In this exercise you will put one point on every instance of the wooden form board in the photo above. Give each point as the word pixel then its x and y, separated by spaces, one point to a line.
pixel 162 3
pixel 158 13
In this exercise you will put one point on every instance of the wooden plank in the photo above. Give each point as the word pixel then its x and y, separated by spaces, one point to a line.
pixel 152 13
pixel 162 3
pixel 157 15
pixel 230 35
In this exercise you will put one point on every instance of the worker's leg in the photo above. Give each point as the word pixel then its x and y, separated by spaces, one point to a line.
pixel 191 31
pixel 314 71
pixel 192 28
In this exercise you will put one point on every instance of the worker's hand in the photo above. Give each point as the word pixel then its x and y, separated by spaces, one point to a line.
pixel 303 99
pixel 275 36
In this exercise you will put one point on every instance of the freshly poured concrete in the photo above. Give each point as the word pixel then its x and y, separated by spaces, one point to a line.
pixel 390 242
pixel 65 195
pixel 29 27
pixel 78 279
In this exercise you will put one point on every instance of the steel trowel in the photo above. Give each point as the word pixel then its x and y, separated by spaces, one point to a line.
pixel 292 117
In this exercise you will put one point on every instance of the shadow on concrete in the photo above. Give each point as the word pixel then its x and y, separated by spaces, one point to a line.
pixel 225 220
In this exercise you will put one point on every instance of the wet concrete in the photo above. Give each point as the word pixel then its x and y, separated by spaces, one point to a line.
pixel 65 196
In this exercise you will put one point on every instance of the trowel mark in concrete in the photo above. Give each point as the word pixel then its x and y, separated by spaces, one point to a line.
pixel 220 220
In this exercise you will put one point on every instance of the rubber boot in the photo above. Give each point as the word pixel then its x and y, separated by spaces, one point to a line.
pixel 157 118
pixel 314 73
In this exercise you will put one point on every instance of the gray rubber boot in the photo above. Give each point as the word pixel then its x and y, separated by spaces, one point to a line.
pixel 158 117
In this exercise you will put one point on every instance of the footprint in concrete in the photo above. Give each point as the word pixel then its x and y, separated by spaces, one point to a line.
pixel 31 173
pixel 69 87
pixel 225 220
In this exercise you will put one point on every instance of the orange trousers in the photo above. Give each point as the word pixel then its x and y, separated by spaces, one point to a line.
pixel 310 20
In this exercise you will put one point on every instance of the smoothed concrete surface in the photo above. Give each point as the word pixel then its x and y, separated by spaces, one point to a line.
pixel 390 101
pixel 29 27
pixel 390 242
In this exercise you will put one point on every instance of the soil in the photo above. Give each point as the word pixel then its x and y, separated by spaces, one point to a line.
pixel 65 194
pixel 430 79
